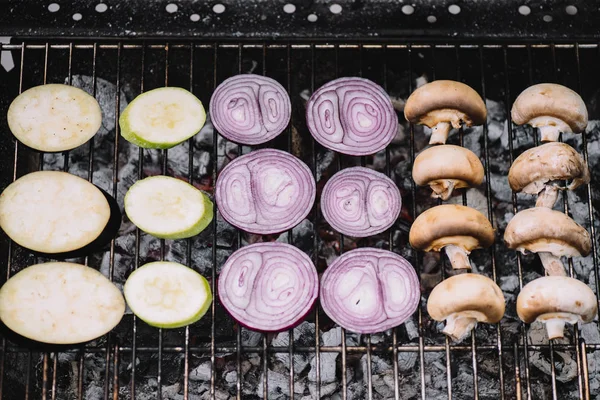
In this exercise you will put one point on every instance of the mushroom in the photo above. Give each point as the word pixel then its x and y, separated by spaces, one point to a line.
pixel 552 108
pixel 445 168
pixel 534 171
pixel 456 229
pixel 556 300
pixel 442 104
pixel 549 233
pixel 463 300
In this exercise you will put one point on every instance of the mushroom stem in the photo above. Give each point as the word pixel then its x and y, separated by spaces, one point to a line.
pixel 552 264
pixel 459 326
pixel 458 256
pixel 442 189
pixel 547 197
pixel 550 133
pixel 555 328
pixel 439 133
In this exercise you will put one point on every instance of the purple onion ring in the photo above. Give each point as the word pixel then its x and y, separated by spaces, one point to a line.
pixel 266 191
pixel 268 286
pixel 250 109
pixel 370 290
pixel 360 202
pixel 352 115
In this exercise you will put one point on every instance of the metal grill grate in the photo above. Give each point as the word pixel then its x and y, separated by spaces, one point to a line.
pixel 114 72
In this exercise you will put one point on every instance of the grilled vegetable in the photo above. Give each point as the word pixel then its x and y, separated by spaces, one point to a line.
pixel 268 286
pixel 352 115
pixel 162 118
pixel 54 117
pixel 266 191
pixel 167 294
pixel 60 303
pixel 360 202
pixel 55 212
pixel 168 208
pixel 370 290
pixel 250 109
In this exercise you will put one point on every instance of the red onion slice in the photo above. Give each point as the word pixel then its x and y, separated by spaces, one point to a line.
pixel 360 202
pixel 268 286
pixel 352 115
pixel 370 290
pixel 250 109
pixel 266 191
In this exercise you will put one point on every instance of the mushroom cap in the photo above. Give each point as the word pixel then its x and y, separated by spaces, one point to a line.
pixel 548 162
pixel 556 294
pixel 541 229
pixel 448 224
pixel 447 162
pixel 448 97
pixel 472 294
pixel 550 100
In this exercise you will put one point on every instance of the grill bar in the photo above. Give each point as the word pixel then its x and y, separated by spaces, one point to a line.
pixel 43 373
pixel 315 222
pixel 488 191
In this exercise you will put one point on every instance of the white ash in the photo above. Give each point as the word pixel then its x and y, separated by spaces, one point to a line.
pixel 202 372
pixel 324 390
pixel 407 360
pixel 421 80
pixel 327 368
pixel 251 338
pixel 475 199
pixel 278 386
pixel 301 360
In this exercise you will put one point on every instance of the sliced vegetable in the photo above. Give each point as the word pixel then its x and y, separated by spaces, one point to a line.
pixel 266 191
pixel 250 109
pixel 162 118
pixel 54 117
pixel 60 303
pixel 53 212
pixel 352 115
pixel 463 301
pixel 167 294
pixel 360 202
pixel 370 290
pixel 168 208
pixel 268 286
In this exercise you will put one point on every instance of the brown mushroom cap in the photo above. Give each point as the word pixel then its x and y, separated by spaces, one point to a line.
pixel 550 100
pixel 457 102
pixel 548 162
pixel 542 229
pixel 448 162
pixel 475 295
pixel 451 224
pixel 556 294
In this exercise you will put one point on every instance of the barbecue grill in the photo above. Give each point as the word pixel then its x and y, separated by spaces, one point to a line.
pixel 117 50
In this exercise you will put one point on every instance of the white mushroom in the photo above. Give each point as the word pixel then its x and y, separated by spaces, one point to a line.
pixel 441 105
pixel 445 168
pixel 456 229
pixel 463 300
pixel 535 170
pixel 556 300
pixel 552 108
pixel 549 233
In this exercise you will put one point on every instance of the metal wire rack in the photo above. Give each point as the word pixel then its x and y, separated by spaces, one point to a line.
pixel 496 71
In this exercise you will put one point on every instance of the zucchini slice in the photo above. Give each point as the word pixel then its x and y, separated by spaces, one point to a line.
pixel 162 118
pixel 168 208
pixel 53 212
pixel 54 117
pixel 167 294
pixel 60 303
